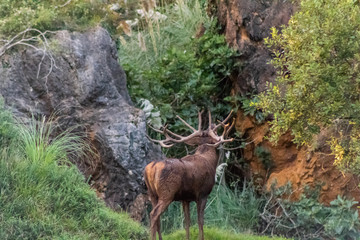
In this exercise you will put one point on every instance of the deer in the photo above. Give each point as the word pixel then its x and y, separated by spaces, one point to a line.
pixel 190 178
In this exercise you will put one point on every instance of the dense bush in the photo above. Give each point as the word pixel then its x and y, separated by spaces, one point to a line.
pixel 317 57
pixel 175 69
pixel 16 16
pixel 306 218
pixel 185 81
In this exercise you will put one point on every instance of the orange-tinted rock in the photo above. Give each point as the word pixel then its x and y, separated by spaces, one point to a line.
pixel 297 165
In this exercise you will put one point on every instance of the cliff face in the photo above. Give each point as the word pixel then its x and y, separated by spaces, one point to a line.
pixel 285 162
pixel 245 24
pixel 86 87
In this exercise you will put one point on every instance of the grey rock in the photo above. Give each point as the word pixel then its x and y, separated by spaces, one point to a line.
pixel 86 87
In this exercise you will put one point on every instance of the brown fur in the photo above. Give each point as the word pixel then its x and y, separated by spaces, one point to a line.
pixel 190 178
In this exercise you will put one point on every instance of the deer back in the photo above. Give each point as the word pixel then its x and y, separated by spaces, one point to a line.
pixel 193 176
pixel 188 178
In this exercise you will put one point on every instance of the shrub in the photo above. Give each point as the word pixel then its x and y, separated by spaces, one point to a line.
pixel 309 219
pixel 16 16
pixel 317 57
pixel 248 104
pixel 177 72
pixel 185 80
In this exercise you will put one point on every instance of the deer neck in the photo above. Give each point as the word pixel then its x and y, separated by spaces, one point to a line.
pixel 209 153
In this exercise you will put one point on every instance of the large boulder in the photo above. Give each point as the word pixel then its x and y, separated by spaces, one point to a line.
pixel 87 87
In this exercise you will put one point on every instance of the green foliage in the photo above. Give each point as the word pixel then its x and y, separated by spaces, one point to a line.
pixel 177 72
pixel 236 210
pixel 346 148
pixel 248 104
pixel 7 129
pixel 317 57
pixel 343 221
pixel 74 15
pixel 39 146
pixel 309 219
pixel 16 16
pixel 152 39
pixel 184 81
pixel 43 198
pixel 216 234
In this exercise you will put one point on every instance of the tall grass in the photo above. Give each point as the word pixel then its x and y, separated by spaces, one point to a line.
pixel 153 37
pixel 39 145
pixel 42 198
pixel 234 210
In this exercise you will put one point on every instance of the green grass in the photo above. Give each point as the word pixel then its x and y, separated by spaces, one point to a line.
pixel 183 20
pixel 216 234
pixel 16 16
pixel 44 196
pixel 232 210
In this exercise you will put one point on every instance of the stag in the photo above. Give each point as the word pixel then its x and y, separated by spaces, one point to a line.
pixel 187 179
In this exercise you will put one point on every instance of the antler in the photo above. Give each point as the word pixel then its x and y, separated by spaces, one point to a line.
pixel 171 137
pixel 161 142
pixel 178 138
pixel 226 129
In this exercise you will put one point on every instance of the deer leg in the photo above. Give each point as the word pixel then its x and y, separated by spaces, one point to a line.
pixel 154 202
pixel 201 203
pixel 186 208
pixel 155 217
pixel 158 225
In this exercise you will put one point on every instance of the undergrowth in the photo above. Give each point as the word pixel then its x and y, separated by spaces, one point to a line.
pixel 307 218
pixel 44 196
pixel 16 16
pixel 178 66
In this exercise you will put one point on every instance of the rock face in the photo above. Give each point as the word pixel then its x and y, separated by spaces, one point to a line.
pixel 300 166
pixel 246 23
pixel 86 86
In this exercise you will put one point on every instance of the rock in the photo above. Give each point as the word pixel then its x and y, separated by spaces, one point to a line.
pixel 86 87
pixel 299 165
pixel 246 23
